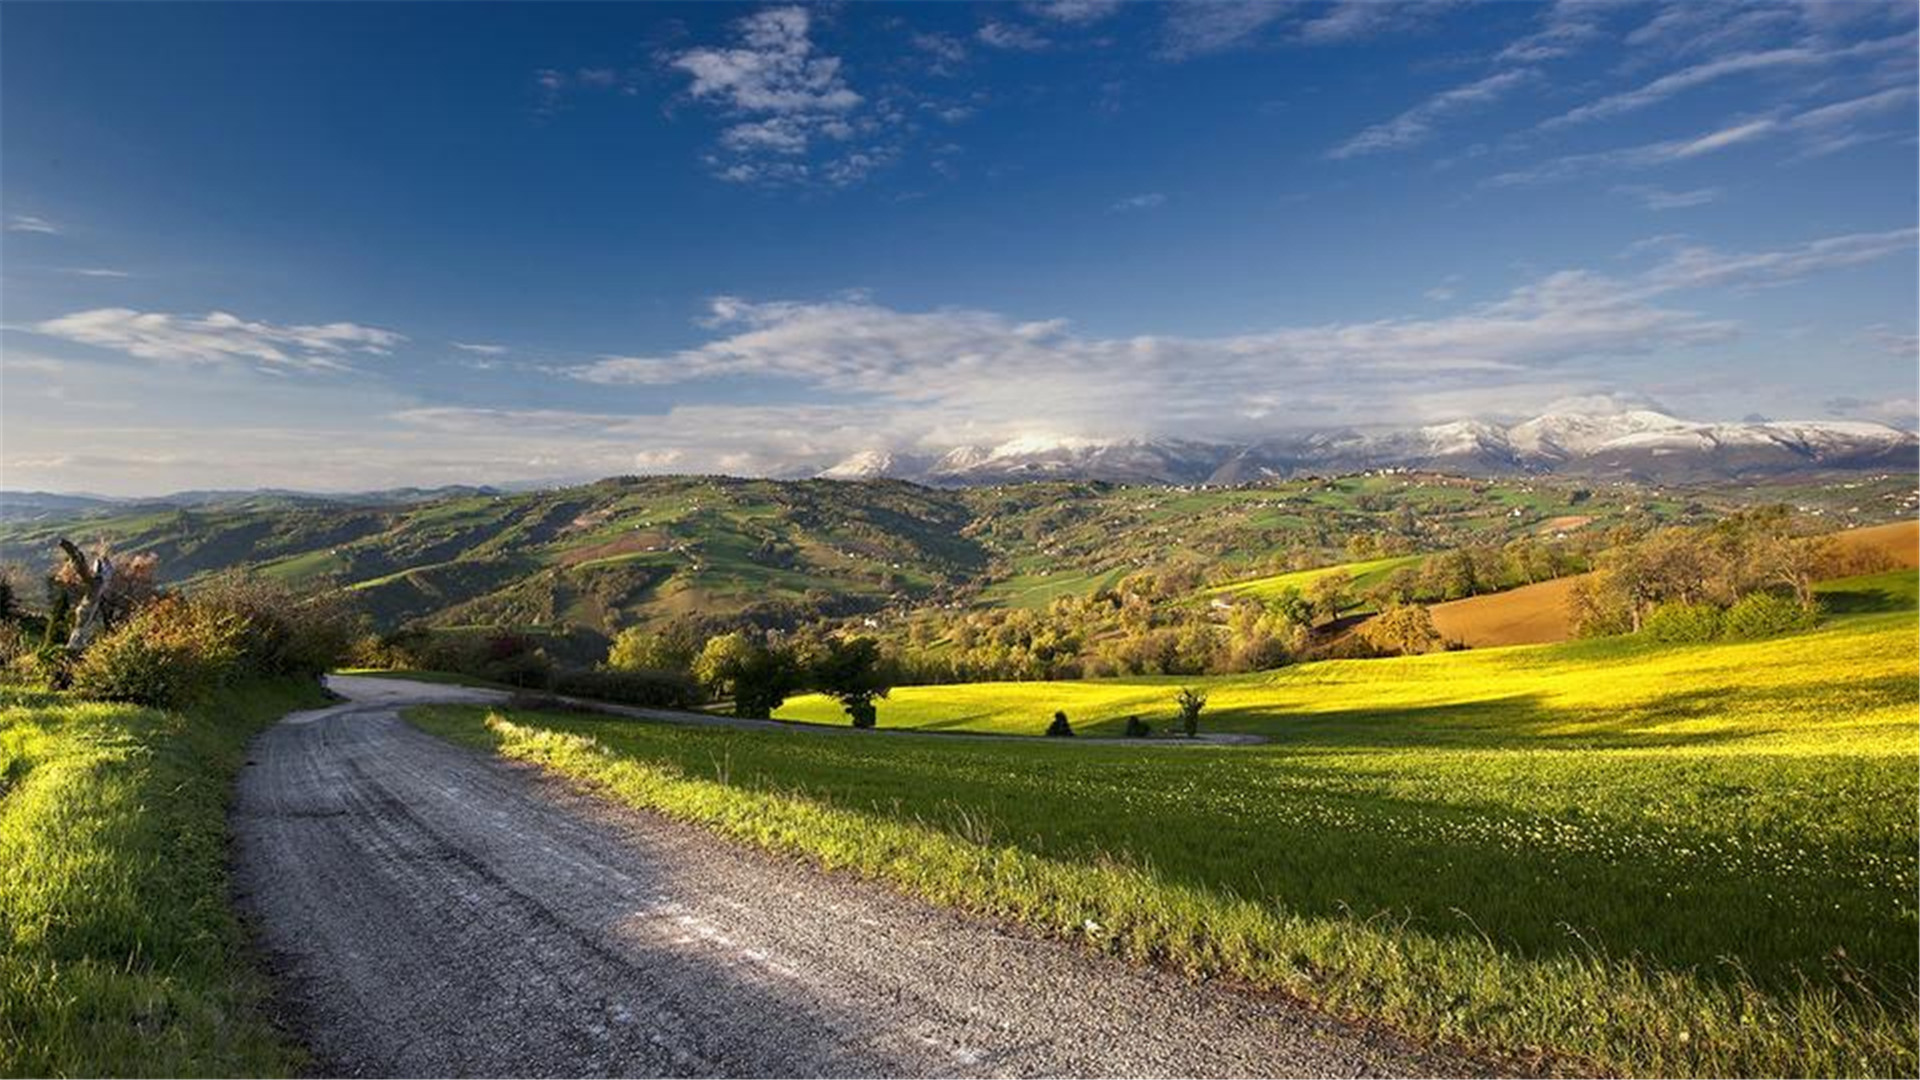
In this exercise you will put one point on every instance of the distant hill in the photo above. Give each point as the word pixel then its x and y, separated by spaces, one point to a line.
pixel 595 557
pixel 26 506
pixel 1633 444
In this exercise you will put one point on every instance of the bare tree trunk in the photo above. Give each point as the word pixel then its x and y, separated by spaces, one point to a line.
pixel 91 615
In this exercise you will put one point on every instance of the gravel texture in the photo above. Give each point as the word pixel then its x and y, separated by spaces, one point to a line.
pixel 426 910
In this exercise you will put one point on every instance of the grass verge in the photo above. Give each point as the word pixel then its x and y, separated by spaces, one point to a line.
pixel 119 953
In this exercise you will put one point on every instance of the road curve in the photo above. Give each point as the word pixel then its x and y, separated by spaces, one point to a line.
pixel 426 910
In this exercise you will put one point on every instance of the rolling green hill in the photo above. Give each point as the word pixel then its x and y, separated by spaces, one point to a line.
pixel 632 550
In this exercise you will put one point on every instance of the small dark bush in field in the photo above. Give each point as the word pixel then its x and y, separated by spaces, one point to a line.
pixel 653 689
pixel 1138 728
pixel 862 712
pixel 1761 614
pixel 1191 701
pixel 1059 729
pixel 172 652
pixel 1678 623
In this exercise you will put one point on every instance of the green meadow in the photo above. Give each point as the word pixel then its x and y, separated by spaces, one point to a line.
pixel 1618 855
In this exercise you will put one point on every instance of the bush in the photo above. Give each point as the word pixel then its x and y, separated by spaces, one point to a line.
pixel 1191 701
pixel 652 689
pixel 283 634
pixel 1138 728
pixel 172 652
pixel 1059 729
pixel 1679 623
pixel 1761 614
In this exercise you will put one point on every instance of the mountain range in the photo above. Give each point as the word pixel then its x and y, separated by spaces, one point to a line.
pixel 1637 444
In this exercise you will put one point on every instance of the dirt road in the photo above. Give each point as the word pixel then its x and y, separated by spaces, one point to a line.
pixel 427 910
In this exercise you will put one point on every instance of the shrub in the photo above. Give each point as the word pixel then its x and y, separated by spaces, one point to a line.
pixel 283 634
pixel 1059 729
pixel 514 659
pixel 172 652
pixel 1762 614
pixel 652 689
pixel 1191 701
pixel 1677 622
pixel 1138 728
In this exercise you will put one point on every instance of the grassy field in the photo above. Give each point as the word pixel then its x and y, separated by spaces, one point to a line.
pixel 1365 575
pixel 118 953
pixel 1689 860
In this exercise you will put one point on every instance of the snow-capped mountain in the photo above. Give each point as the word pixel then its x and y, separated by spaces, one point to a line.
pixel 1634 443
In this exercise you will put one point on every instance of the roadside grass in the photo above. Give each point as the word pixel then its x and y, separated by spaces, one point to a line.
pixel 1649 860
pixel 119 953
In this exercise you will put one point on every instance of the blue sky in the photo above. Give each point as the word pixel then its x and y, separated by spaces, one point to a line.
pixel 351 246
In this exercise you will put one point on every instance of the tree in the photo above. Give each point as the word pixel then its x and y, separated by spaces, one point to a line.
pixel 1330 594
pixel 745 667
pixel 850 671
pixel 1404 628
pixel 1190 702
pixel 638 649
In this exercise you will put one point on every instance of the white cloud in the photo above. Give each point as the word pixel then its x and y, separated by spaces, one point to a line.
pixel 1417 123
pixel 1076 12
pixel 1668 85
pixel 1566 26
pixel 219 337
pixel 1658 198
pixel 1143 201
pixel 483 350
pixel 1639 157
pixel 28 223
pixel 1805 55
pixel 1197 28
pixel 95 272
pixel 774 70
pixel 944 48
pixel 786 99
pixel 1006 35
pixel 952 370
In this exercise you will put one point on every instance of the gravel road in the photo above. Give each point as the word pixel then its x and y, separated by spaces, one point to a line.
pixel 426 910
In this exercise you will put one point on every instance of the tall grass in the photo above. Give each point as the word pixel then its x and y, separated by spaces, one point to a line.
pixel 119 955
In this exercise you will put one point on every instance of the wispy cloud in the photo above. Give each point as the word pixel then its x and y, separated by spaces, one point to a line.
pixel 1801 56
pixel 1639 157
pixel 29 223
pixel 218 338
pixel 1076 12
pixel 94 272
pixel 1144 201
pixel 1676 82
pixel 483 350
pixel 1566 27
pixel 1196 28
pixel 1659 198
pixel 1417 123
pixel 1006 35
